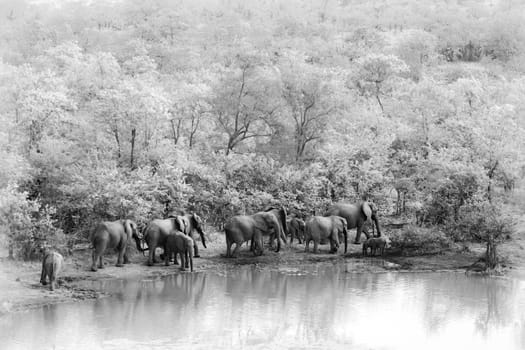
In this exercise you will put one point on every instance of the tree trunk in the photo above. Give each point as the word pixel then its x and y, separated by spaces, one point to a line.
pixel 115 132
pixel 133 134
pixel 175 130
pixel 491 256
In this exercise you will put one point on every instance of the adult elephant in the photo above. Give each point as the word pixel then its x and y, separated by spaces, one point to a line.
pixel 282 218
pixel 356 215
pixel 322 228
pixel 113 235
pixel 157 231
pixel 189 223
pixel 295 229
pixel 242 228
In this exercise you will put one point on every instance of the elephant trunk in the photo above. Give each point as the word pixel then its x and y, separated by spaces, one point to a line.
pixel 202 238
pixel 345 235
pixel 377 226
pixel 279 239
pixel 138 243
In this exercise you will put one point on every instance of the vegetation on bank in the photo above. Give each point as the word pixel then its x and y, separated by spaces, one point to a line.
pixel 137 109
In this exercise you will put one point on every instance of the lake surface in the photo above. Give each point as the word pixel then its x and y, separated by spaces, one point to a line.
pixel 248 308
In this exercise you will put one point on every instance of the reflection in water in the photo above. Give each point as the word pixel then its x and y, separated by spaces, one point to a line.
pixel 248 308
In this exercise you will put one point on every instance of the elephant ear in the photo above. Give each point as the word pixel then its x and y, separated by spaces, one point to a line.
pixel 367 211
pixel 198 220
pixel 127 228
pixel 181 223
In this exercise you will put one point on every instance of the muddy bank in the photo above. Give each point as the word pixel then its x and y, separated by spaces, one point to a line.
pixel 20 288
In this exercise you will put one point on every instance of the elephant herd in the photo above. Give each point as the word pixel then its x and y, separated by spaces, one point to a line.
pixel 330 228
pixel 175 234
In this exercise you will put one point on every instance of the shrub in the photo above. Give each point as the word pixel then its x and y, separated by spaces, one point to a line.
pixel 26 224
pixel 419 240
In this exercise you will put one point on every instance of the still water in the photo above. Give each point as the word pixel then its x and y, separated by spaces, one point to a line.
pixel 246 308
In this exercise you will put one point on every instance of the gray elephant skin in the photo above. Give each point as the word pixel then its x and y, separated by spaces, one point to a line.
pixel 157 231
pixel 282 218
pixel 321 229
pixel 356 215
pixel 180 244
pixel 242 228
pixel 51 266
pixel 113 235
pixel 296 229
pixel 375 244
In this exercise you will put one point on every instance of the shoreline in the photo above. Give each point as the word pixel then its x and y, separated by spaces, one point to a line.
pixel 21 290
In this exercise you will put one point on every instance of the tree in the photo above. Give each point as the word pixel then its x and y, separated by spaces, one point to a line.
pixel 246 102
pixel 307 92
pixel 376 75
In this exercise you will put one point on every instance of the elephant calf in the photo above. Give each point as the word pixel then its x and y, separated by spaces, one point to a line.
pixel 181 244
pixel 320 229
pixel 51 267
pixel 375 244
pixel 296 229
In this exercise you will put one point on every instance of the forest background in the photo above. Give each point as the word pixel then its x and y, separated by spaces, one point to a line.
pixel 136 109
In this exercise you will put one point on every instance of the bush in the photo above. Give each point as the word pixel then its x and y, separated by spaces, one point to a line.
pixel 419 240
pixel 26 224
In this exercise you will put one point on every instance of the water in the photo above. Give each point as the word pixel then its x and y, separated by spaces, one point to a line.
pixel 246 308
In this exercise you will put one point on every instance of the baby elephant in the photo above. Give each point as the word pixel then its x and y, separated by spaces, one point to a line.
pixel 295 229
pixel 178 243
pixel 51 267
pixel 375 244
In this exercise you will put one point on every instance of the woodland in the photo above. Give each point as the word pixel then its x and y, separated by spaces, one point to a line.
pixel 136 109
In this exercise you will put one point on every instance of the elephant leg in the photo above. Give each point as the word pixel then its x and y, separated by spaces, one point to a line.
pixel 126 259
pixel 120 257
pixel 182 261
pixel 196 255
pixel 187 256
pixel 166 257
pixel 306 244
pixel 51 283
pixel 43 274
pixel 151 255
pixel 237 246
pixel 316 247
pixel 358 234
pixel 260 245
pixel 228 247
pixel 98 254
pixel 97 258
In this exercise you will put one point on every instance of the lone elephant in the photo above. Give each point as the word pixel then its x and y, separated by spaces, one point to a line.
pixel 157 231
pixel 356 215
pixel 296 229
pixel 113 235
pixel 51 267
pixel 320 229
pixel 181 244
pixel 242 228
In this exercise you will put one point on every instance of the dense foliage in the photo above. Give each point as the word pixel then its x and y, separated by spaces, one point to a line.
pixel 139 108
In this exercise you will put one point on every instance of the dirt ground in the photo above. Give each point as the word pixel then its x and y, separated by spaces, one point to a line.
pixel 20 288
